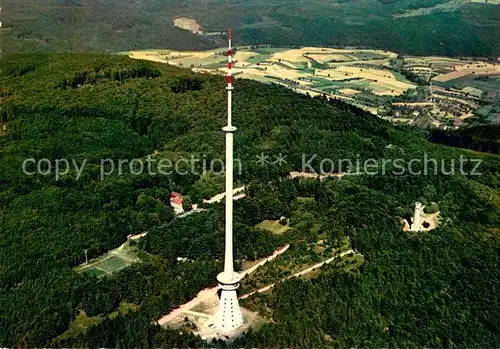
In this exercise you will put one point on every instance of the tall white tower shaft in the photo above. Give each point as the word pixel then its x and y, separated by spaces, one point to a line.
pixel 417 217
pixel 229 314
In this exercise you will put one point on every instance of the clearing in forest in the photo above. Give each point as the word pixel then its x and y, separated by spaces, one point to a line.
pixel 110 262
pixel 188 23
pixel 274 227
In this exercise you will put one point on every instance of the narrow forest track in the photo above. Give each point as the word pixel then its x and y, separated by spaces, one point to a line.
pixel 300 273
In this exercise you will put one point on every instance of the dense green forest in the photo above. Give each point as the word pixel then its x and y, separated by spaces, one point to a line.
pixel 485 138
pixel 462 29
pixel 435 289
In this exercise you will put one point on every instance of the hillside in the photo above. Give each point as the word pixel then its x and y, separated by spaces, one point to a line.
pixel 450 28
pixel 391 86
pixel 410 290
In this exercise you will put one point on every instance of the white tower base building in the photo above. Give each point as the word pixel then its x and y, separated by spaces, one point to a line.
pixel 229 315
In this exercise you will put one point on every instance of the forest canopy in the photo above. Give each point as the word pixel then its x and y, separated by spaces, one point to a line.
pixel 435 289
pixel 433 27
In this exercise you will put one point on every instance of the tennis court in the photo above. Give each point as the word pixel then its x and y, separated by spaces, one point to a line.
pixel 110 262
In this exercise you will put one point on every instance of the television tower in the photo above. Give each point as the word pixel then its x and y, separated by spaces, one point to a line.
pixel 229 314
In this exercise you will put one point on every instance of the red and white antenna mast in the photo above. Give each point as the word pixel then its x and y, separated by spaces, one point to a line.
pixel 229 78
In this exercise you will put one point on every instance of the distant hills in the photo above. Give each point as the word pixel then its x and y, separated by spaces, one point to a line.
pixel 441 27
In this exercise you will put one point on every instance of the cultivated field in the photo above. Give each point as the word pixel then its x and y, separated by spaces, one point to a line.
pixel 364 78
pixel 379 81
pixel 471 68
pixel 210 59
pixel 319 70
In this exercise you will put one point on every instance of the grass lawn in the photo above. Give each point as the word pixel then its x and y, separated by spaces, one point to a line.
pixel 356 85
pixel 123 309
pixel 95 272
pixel 82 322
pixel 400 77
pixel 270 50
pixel 283 65
pixel 79 325
pixel 491 83
pixel 369 55
pixel 273 226
pixel 215 65
pixel 258 58
pixel 213 60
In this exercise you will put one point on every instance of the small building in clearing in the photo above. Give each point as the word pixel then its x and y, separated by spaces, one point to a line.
pixel 176 202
